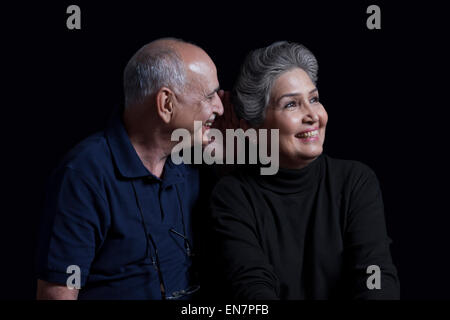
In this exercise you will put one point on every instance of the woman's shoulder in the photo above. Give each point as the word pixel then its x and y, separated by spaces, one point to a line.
pixel 239 178
pixel 238 184
pixel 346 169
pixel 234 190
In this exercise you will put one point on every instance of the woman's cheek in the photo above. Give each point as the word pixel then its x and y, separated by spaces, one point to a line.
pixel 293 123
pixel 323 116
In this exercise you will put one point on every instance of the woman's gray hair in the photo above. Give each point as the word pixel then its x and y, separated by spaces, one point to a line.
pixel 150 69
pixel 260 70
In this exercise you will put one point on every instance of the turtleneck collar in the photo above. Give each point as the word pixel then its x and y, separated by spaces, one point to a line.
pixel 292 180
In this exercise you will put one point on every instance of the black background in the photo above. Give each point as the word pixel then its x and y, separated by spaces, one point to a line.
pixel 380 88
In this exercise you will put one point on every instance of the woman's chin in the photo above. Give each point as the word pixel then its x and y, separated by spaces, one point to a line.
pixel 310 153
pixel 299 160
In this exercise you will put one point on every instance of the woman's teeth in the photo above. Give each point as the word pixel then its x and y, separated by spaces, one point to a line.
pixel 308 134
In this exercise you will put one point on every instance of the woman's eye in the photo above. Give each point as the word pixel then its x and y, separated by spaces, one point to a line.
pixel 290 104
pixel 314 100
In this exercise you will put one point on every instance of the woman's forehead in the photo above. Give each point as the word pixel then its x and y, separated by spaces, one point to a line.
pixel 293 81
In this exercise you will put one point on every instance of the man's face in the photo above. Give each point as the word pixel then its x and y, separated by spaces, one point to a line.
pixel 199 101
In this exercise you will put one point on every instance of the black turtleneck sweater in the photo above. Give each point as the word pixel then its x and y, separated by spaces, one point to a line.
pixel 307 233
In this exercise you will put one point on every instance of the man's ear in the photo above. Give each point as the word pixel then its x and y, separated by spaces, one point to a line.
pixel 164 104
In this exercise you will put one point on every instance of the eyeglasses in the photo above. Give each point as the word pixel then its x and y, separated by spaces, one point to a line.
pixel 194 288
pixel 187 244
pixel 183 293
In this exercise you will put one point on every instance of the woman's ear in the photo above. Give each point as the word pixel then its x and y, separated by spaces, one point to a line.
pixel 164 104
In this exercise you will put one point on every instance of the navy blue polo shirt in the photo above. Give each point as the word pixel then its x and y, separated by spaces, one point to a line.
pixel 127 230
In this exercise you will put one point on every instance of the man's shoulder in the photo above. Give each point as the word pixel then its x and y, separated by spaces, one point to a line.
pixel 90 156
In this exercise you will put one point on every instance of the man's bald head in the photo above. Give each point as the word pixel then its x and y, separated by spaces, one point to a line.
pixel 194 58
pixel 161 63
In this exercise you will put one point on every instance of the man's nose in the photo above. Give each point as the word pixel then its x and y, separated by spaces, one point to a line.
pixel 218 106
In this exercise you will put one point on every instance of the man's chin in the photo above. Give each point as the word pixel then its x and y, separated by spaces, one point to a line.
pixel 206 142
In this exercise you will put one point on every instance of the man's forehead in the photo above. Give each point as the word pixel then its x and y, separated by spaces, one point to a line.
pixel 204 73
pixel 201 67
pixel 204 86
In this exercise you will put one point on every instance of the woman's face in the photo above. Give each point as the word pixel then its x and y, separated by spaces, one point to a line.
pixel 295 110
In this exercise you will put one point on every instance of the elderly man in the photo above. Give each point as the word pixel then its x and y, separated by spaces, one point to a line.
pixel 117 209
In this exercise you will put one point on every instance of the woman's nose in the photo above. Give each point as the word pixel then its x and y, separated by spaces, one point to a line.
pixel 311 115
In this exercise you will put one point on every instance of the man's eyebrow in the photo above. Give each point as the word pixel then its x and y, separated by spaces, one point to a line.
pixel 293 94
pixel 215 90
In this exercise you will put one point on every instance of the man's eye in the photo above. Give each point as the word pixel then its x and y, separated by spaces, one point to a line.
pixel 290 104
pixel 314 100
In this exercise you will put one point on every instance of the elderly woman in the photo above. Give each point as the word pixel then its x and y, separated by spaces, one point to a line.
pixel 315 229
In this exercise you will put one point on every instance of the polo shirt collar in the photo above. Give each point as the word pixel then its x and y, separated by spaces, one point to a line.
pixel 127 160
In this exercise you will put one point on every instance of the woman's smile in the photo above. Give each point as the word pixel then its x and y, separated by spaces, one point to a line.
pixel 308 135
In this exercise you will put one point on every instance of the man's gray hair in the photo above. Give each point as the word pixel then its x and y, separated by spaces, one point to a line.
pixel 258 74
pixel 150 69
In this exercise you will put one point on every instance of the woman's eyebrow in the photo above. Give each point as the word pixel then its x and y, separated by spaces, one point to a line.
pixel 294 94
